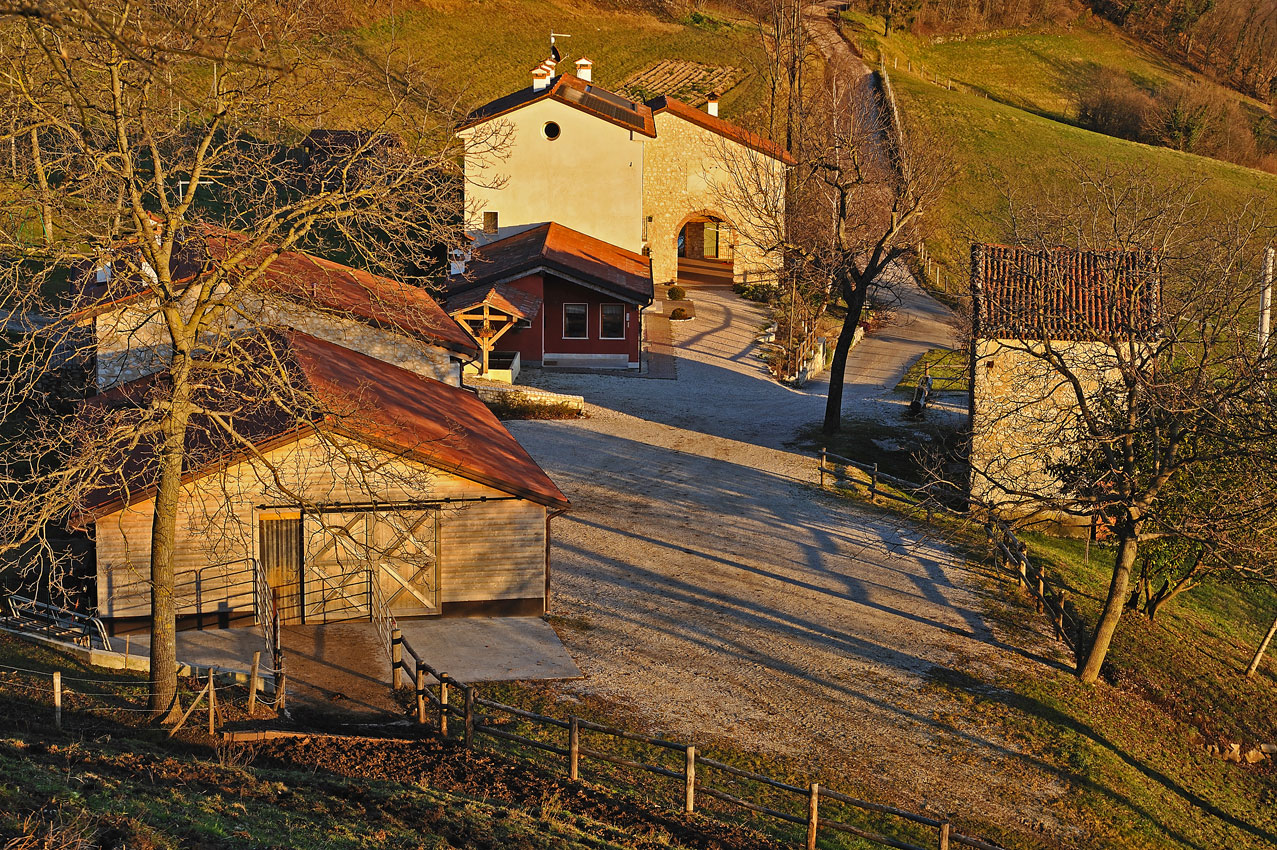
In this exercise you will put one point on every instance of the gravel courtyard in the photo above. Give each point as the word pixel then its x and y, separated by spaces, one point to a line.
pixel 705 583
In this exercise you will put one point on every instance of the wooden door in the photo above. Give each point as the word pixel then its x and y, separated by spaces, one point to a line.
pixel 280 550
pixel 337 567
pixel 404 544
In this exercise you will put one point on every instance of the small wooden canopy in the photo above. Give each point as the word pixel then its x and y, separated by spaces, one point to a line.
pixel 488 312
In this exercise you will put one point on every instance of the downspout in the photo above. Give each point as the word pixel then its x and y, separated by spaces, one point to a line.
pixel 549 516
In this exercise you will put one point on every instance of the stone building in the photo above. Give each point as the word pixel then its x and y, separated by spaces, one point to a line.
pixel 1041 318
pixel 653 178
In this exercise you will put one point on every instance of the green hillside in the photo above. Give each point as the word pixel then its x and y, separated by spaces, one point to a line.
pixel 483 50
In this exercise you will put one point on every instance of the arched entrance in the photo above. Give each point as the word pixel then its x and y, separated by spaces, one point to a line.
pixel 706 250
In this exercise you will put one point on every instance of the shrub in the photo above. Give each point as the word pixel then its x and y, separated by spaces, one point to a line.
pixel 759 292
pixel 1115 106
pixel 679 313
pixel 677 293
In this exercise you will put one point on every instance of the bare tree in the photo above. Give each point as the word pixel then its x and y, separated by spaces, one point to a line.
pixel 1126 385
pixel 133 126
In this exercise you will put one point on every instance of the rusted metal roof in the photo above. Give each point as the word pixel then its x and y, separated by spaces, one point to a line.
pixel 726 129
pixel 1064 294
pixel 577 93
pixel 499 296
pixel 340 391
pixel 304 279
pixel 559 250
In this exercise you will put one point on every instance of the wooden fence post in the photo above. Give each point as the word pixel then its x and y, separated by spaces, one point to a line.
pixel 212 704
pixel 252 681
pixel 873 485
pixel 813 815
pixel 822 467
pixel 944 835
pixel 574 748
pixel 1259 653
pixel 420 683
pixel 57 698
pixel 396 658
pixel 469 715
pixel 443 705
pixel 689 781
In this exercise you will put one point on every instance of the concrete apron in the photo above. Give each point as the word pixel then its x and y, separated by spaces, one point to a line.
pixel 342 667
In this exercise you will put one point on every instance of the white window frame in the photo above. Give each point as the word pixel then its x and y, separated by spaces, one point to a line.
pixel 601 325
pixel 585 315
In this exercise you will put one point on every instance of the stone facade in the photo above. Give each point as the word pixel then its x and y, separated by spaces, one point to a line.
pixel 1023 416
pixel 685 175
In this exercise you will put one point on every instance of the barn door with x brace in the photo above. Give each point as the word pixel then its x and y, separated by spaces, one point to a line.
pixel 337 578
pixel 405 546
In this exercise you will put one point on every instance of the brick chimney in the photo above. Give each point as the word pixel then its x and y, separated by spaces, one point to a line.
pixel 711 105
pixel 585 69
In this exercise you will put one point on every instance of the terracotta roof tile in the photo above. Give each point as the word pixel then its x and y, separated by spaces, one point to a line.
pixel 507 299
pixel 1062 294
pixel 723 128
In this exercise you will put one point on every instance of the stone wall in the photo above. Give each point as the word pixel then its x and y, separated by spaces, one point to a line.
pixel 132 341
pixel 686 172
pixel 1024 418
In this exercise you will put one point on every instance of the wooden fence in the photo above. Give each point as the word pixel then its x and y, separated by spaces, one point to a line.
pixel 1007 550
pixel 456 710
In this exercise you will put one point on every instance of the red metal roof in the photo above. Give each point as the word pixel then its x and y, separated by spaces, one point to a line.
pixel 560 250
pixel 726 129
pixel 1063 294
pixel 307 280
pixel 441 426
pixel 577 93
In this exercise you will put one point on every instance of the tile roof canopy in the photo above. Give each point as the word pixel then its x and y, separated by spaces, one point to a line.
pixel 577 93
pixel 1063 294
pixel 440 426
pixel 310 281
pixel 499 296
pixel 560 250
pixel 723 128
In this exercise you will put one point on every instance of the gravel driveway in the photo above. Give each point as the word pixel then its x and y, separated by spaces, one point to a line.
pixel 710 588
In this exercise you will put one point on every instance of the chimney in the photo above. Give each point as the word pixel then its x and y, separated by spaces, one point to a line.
pixel 711 105
pixel 585 69
pixel 540 77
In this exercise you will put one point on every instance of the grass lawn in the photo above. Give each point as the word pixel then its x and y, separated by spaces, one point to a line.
pixel 948 371
pixel 483 50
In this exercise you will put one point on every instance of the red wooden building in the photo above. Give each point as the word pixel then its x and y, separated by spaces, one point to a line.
pixel 556 297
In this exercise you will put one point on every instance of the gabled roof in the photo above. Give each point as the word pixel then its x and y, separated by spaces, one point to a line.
pixel 714 124
pixel 440 426
pixel 305 279
pixel 577 93
pixel 559 250
pixel 499 296
pixel 1064 294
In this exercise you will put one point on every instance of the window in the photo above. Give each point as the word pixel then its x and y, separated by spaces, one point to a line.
pixel 575 321
pixel 611 321
pixel 551 130
pixel 489 222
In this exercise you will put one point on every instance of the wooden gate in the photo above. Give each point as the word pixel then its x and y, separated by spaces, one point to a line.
pixel 406 547
pixel 280 548
pixel 337 567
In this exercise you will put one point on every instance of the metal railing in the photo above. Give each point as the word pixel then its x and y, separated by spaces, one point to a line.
pixel 381 616
pixel 54 621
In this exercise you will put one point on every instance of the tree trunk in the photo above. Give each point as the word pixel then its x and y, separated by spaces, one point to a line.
pixel 855 299
pixel 163 677
pixel 1127 549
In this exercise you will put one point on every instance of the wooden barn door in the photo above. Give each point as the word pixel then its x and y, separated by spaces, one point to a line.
pixel 280 550
pixel 337 567
pixel 405 544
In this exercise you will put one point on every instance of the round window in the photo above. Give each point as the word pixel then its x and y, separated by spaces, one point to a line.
pixel 551 130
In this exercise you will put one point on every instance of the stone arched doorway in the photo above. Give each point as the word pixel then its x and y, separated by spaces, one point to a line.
pixel 706 248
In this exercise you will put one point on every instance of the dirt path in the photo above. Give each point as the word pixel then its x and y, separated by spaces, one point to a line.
pixel 708 587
